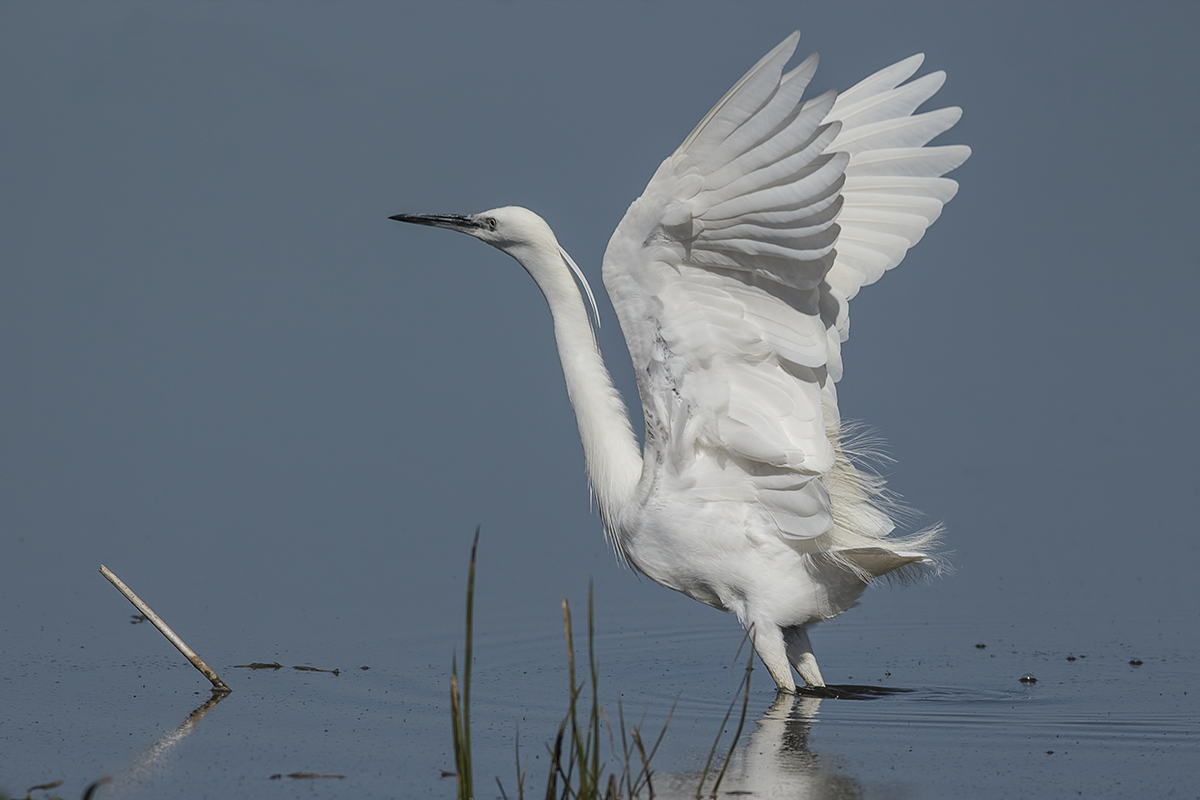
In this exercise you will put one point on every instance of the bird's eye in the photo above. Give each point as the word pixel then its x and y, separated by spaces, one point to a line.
pixel 491 223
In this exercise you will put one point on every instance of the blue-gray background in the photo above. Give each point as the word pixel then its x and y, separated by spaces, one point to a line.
pixel 278 415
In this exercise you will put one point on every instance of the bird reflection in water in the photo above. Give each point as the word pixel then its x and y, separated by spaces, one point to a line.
pixel 777 761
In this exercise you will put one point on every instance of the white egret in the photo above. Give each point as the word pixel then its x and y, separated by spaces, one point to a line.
pixel 731 277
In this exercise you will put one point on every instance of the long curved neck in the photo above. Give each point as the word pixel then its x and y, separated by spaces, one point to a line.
pixel 610 449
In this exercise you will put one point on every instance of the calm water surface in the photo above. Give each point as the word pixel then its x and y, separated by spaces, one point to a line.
pixel 87 693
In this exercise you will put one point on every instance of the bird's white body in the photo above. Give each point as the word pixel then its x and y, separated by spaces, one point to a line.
pixel 731 277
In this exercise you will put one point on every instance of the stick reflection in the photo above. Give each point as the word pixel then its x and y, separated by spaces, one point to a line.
pixel 153 760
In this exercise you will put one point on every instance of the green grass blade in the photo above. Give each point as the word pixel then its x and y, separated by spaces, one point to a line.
pixel 460 701
pixel 594 729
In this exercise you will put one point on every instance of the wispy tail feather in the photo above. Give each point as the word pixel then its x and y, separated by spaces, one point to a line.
pixel 865 513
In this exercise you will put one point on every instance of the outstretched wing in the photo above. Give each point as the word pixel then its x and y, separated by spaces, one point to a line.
pixel 731 274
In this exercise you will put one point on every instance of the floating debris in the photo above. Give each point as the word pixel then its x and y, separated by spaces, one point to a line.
pixel 259 665
pixel 44 787
pixel 1070 658
pixel 1135 662
pixel 980 646
pixel 315 669
pixel 305 775
pixel 1028 678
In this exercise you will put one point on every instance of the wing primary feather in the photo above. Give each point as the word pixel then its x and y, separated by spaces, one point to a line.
pixel 781 53
pixel 940 189
pixel 920 162
pixel 820 173
pixel 884 80
pixel 915 131
pixel 804 71
pixel 795 139
pixel 765 124
pixel 899 102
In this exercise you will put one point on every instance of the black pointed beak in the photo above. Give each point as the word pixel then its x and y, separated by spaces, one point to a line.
pixel 454 222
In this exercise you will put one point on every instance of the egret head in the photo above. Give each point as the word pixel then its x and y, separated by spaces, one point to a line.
pixel 510 228
pixel 523 235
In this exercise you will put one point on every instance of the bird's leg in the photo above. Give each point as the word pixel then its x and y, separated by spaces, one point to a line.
pixel 768 643
pixel 799 652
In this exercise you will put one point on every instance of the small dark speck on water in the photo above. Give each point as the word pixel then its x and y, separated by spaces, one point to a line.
pixel 1049 752
pixel 364 668
pixel 1135 662
pixel 1070 658
pixel 980 646
pixel 1028 678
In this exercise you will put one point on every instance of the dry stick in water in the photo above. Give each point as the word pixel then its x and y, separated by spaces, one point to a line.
pixel 188 653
